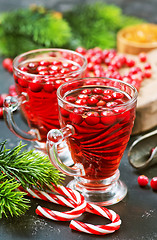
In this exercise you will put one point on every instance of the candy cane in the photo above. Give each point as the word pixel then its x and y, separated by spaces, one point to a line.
pixel 98 229
pixel 74 199
pixel 77 202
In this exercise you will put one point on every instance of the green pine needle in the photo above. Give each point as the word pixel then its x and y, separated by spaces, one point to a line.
pixel 30 29
pixel 25 168
pixel 28 167
pixel 97 24
pixel 11 202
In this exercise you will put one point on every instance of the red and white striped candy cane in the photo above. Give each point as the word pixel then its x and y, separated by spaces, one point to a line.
pixel 71 199
pixel 77 202
pixel 98 229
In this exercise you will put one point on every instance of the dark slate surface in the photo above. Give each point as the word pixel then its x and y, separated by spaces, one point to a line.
pixel 138 210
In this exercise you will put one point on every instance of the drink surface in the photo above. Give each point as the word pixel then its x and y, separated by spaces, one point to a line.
pixel 38 81
pixel 103 122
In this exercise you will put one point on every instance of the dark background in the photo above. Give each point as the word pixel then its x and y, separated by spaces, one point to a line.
pixel 138 210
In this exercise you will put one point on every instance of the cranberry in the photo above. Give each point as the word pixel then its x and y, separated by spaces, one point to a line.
pixel 58 83
pixel 44 73
pixel 90 66
pixel 92 118
pixel 153 183
pixel 81 101
pixel 7 63
pixel 35 85
pixel 49 87
pixel 111 104
pixel 147 66
pixel 73 68
pixel 147 73
pixel 117 95
pixel 70 99
pixel 23 82
pixel 55 68
pixel 83 96
pixel 86 91
pixel 130 62
pixel 44 63
pixel 97 90
pixel 67 65
pixel 101 103
pixel 76 116
pixel 108 117
pixel 108 92
pixel 24 69
pixel 81 50
pixel 64 71
pixel 142 180
pixel 1 112
pixel 92 101
pixel 107 98
pixel 32 65
pixel 56 63
pixel 41 68
pixel 142 57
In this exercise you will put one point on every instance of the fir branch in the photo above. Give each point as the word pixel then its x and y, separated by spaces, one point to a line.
pixel 11 202
pixel 97 24
pixel 29 168
pixel 39 28
pixel 9 43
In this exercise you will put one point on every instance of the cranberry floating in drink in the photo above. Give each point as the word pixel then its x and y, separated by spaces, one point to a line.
pixel 96 117
pixel 37 76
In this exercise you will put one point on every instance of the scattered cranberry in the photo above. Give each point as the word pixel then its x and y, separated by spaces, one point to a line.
pixel 8 64
pixel 148 73
pixel 142 180
pixel 81 50
pixel 147 66
pixel 142 57
pixel 153 183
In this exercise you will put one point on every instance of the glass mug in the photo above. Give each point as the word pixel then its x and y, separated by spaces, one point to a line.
pixel 37 76
pixel 96 117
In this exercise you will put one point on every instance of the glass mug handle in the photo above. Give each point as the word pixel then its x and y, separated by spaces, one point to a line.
pixel 55 137
pixel 11 104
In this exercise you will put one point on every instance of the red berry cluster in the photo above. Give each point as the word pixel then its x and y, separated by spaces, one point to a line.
pixel 143 181
pixel 54 68
pixel 108 63
pixel 97 98
pixel 101 63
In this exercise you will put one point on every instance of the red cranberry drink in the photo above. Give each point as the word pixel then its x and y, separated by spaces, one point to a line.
pixel 100 113
pixel 37 75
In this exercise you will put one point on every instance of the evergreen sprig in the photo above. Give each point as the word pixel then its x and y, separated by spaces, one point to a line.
pixel 11 202
pixel 28 167
pixel 97 24
pixel 34 28
pixel 25 168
